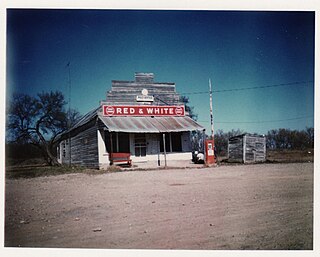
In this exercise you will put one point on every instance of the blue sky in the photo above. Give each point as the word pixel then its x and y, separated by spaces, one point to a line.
pixel 236 49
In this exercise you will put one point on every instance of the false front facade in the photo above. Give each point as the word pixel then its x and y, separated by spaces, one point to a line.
pixel 140 121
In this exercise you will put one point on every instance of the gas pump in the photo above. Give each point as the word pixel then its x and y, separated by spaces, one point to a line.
pixel 209 151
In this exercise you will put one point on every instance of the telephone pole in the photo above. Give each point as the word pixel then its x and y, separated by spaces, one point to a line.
pixel 211 113
pixel 69 111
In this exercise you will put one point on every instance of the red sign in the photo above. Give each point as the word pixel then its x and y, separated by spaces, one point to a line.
pixel 143 110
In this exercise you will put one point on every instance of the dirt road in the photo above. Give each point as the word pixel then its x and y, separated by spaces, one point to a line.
pixel 266 206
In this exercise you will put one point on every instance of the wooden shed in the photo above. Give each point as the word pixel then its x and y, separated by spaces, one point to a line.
pixel 247 148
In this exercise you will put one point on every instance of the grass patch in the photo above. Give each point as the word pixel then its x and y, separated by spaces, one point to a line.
pixel 114 168
pixel 290 155
pixel 110 169
pixel 41 171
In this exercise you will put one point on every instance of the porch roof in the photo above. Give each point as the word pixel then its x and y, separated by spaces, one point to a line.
pixel 149 124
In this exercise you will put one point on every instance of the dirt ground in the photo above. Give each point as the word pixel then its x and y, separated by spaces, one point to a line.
pixel 265 206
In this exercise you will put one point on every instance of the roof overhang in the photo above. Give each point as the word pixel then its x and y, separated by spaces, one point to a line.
pixel 149 124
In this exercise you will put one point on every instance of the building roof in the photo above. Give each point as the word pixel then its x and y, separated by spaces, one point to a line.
pixel 136 124
pixel 86 118
pixel 246 134
pixel 150 124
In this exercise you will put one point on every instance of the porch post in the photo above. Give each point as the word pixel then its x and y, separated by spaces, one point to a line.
pixel 111 149
pixel 164 150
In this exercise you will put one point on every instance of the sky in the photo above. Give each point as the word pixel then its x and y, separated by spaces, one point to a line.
pixel 261 63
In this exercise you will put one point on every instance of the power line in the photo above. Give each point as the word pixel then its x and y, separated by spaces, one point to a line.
pixel 249 88
pixel 265 121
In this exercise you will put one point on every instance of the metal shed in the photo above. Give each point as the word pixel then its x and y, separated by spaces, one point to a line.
pixel 247 148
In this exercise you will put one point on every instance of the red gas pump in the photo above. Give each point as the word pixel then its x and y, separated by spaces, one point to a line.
pixel 209 148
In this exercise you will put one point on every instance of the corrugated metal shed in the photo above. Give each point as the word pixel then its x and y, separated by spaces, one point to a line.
pixel 149 124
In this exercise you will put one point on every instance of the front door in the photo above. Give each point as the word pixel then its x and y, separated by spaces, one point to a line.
pixel 140 145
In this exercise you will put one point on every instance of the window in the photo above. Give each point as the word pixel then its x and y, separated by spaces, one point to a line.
pixel 110 138
pixel 176 142
pixel 140 145
pixel 120 142
pixel 173 142
pixel 63 149
pixel 123 143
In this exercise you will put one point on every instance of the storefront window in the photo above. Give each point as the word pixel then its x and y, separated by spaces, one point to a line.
pixel 120 142
pixel 176 142
pixel 173 142
pixel 140 145
pixel 123 143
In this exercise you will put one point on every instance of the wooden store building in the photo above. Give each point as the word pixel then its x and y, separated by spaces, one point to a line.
pixel 140 121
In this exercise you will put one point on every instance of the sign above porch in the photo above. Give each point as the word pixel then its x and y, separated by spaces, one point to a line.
pixel 143 110
pixel 144 97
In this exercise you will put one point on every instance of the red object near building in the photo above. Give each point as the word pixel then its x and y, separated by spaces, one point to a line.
pixel 209 147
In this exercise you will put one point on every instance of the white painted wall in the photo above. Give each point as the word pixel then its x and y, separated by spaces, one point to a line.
pixel 152 150
pixel 64 147
pixel 169 156
pixel 102 152
pixel 59 153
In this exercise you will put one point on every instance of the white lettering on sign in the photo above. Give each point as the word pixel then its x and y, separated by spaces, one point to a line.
pixel 163 111
pixel 141 110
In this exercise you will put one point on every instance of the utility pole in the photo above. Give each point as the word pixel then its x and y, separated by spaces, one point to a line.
pixel 69 111
pixel 211 113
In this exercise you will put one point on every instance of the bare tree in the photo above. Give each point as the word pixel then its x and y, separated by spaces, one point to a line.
pixel 38 121
pixel 290 139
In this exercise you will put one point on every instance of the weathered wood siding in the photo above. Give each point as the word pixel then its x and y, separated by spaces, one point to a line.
pixel 84 148
pixel 235 149
pixel 247 148
pixel 255 149
pixel 125 92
